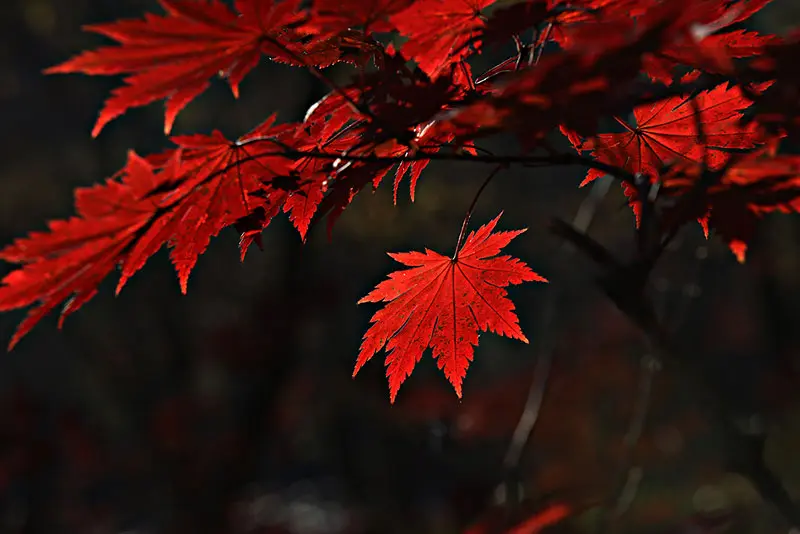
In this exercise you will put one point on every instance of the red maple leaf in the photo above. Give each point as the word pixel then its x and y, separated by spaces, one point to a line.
pixel 438 31
pixel 443 303
pixel 534 523
pixel 777 109
pixel 371 15
pixel 70 260
pixel 713 53
pixel 215 187
pixel 751 187
pixel 302 203
pixel 569 15
pixel 668 130
pixel 407 105
pixel 506 22
pixel 173 56
pixel 573 88
pixel 182 198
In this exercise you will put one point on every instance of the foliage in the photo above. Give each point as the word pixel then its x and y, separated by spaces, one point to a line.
pixel 710 103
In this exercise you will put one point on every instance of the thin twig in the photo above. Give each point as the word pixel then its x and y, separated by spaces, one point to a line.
pixel 650 367
pixel 745 451
pixel 288 152
pixel 645 93
pixel 530 413
pixel 567 158
pixel 534 59
pixel 632 474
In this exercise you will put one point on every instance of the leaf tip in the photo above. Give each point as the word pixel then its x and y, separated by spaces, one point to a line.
pixel 303 231
pixel 122 280
pixel 13 343
pixel 54 69
pixel 739 249
pixel 97 128
pixel 183 280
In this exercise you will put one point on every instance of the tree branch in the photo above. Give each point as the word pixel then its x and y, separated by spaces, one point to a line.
pixel 745 450
pixel 561 159
pixel 530 413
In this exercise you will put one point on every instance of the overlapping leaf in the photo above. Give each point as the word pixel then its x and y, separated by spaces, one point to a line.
pixel 670 130
pixel 173 56
pixel 751 187
pixel 437 31
pixel 711 45
pixel 575 88
pixel 333 16
pixel 713 53
pixel 778 108
pixel 183 200
pixel 73 257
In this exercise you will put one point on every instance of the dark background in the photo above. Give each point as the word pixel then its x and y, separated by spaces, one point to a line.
pixel 232 409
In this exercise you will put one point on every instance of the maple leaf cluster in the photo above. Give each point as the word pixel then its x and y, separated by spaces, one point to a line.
pixel 702 106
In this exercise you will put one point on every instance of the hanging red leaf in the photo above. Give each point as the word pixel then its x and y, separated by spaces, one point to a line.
pixel 443 303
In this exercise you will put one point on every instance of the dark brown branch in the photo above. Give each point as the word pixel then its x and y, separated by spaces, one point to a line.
pixel 486 158
pixel 644 93
pixel 548 160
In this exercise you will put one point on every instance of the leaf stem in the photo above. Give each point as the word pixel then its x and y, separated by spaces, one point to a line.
pixel 471 208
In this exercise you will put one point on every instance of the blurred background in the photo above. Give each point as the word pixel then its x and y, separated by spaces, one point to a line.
pixel 232 409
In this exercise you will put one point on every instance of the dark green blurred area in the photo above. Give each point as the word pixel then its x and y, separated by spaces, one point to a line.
pixel 232 409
